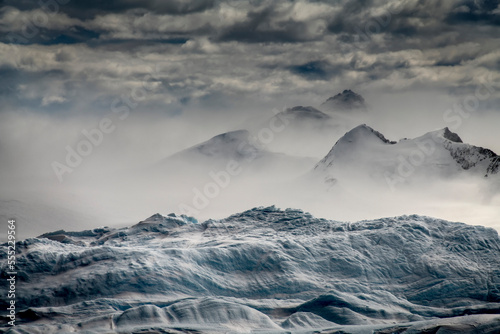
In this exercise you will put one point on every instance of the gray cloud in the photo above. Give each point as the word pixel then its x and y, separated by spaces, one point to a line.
pixel 475 12
pixel 90 8
pixel 213 51
pixel 265 25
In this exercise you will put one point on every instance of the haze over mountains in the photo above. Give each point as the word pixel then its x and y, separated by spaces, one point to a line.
pixel 363 133
pixel 360 167
pixel 438 154
pixel 319 159
pixel 271 270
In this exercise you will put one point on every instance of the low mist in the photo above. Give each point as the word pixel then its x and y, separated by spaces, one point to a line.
pixel 130 174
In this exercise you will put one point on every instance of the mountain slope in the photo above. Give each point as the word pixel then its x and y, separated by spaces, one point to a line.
pixel 230 145
pixel 366 153
pixel 261 269
pixel 305 130
pixel 238 146
pixel 346 100
pixel 238 153
pixel 300 113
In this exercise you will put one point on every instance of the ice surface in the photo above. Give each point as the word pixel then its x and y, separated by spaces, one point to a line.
pixel 264 269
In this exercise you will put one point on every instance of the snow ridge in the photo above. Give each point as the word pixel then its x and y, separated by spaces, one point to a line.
pixel 440 153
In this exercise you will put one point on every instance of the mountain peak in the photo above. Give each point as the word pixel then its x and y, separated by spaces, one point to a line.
pixel 155 217
pixel 361 136
pixel 445 134
pixel 442 153
pixel 347 100
pixel 229 144
pixel 305 113
pixel 451 136
pixel 362 132
pixel 231 136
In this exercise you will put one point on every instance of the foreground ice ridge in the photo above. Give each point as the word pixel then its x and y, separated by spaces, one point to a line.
pixel 261 270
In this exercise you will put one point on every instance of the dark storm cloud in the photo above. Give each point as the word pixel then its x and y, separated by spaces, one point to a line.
pixel 313 70
pixel 71 36
pixel 342 22
pixel 265 25
pixel 376 70
pixel 131 45
pixel 44 36
pixel 474 12
pixel 86 9
pixel 8 86
pixel 354 21
pixel 316 70
pixel 214 49
pixel 456 58
pixel 363 17
pixel 419 25
pixel 12 78
pixel 15 81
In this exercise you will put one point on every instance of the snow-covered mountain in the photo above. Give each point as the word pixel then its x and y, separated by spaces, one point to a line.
pixel 263 270
pixel 301 113
pixel 230 145
pixel 307 131
pixel 365 153
pixel 239 148
pixel 346 100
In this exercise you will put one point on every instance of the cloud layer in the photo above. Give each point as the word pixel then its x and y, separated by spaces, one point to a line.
pixel 213 51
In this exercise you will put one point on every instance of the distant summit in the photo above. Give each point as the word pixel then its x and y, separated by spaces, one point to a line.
pixel 347 100
pixel 301 113
pixel 230 145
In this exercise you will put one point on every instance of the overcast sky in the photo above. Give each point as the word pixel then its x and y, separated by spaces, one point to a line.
pixel 78 56
pixel 206 66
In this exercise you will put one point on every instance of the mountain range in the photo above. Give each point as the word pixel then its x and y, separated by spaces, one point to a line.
pixel 268 270
pixel 365 153
pixel 362 153
pixel 313 157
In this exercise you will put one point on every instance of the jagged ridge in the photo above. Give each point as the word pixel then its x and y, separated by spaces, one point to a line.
pixel 243 269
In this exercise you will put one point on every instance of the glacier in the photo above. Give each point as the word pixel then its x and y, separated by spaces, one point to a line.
pixel 265 270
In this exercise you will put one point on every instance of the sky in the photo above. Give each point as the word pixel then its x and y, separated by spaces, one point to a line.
pixel 161 76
